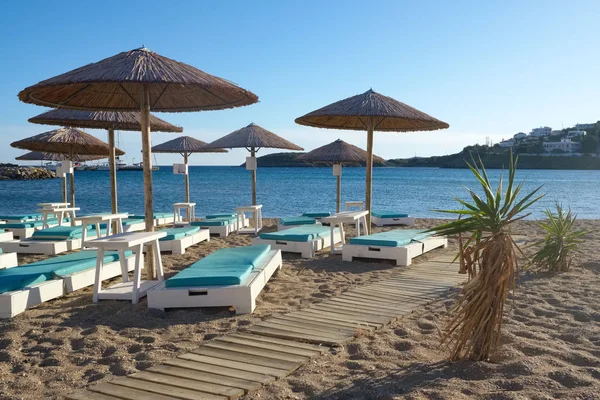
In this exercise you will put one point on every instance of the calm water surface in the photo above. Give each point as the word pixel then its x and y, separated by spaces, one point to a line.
pixel 289 191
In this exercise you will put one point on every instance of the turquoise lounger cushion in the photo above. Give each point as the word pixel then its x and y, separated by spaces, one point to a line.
pixel 20 217
pixel 302 233
pixel 178 233
pixel 291 221
pixel 162 215
pixel 223 267
pixel 388 214
pixel 131 221
pixel 136 217
pixel 223 215
pixel 30 274
pixel 29 224
pixel 395 238
pixel 65 232
pixel 317 214
pixel 220 221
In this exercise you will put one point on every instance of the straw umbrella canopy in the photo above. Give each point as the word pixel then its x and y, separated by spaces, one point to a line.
pixel 69 142
pixel 185 145
pixel 337 153
pixel 109 120
pixel 252 138
pixel 370 112
pixel 41 156
pixel 139 80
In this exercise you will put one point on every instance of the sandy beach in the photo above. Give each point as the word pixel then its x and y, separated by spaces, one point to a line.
pixel 551 341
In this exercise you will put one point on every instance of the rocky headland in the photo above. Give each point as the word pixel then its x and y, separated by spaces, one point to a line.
pixel 14 172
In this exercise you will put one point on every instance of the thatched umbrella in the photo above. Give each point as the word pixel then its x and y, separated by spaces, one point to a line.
pixel 185 145
pixel 69 142
pixel 370 112
pixel 139 80
pixel 109 120
pixel 337 153
pixel 41 156
pixel 252 138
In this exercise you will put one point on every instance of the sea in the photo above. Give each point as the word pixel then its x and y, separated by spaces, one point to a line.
pixel 290 191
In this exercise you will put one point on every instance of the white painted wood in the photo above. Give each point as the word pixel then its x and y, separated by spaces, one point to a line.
pixel 178 246
pixel 190 212
pixel 124 291
pixel 359 204
pixel 401 255
pixel 47 247
pixel 164 220
pixel 306 249
pixel 85 278
pixel 137 227
pixel 410 221
pixel 242 297
pixel 256 211
pixel 8 260
pixel 226 230
pixel 5 236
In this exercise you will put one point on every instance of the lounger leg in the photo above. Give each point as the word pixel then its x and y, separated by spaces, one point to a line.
pixel 159 266
pixel 137 275
pixel 123 262
pixel 98 281
pixel 246 308
pixel 83 234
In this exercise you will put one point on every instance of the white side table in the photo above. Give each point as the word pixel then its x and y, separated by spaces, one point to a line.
pixel 58 212
pixel 134 241
pixel 256 217
pixel 96 220
pixel 359 204
pixel 190 212
pixel 349 217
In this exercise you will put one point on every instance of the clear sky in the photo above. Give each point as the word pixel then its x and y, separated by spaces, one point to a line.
pixel 488 68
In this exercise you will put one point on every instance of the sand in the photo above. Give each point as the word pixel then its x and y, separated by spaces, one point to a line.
pixel 551 342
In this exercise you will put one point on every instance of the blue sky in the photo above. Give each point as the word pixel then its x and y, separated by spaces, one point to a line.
pixel 487 68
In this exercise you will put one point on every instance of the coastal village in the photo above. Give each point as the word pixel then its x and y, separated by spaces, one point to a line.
pixel 571 141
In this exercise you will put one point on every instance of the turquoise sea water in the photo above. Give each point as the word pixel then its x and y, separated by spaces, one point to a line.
pixel 289 191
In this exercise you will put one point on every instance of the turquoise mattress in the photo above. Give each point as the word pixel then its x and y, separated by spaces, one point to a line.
pixel 30 274
pixel 156 215
pixel 292 221
pixel 223 267
pixel 218 221
pixel 302 233
pixel 178 233
pixel 65 232
pixel 316 214
pixel 388 214
pixel 223 215
pixel 21 217
pixel 30 224
pixel 395 238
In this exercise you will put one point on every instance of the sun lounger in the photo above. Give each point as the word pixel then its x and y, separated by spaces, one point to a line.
pixel 49 241
pixel 221 226
pixel 133 224
pixel 316 214
pixel 227 277
pixel 305 239
pixel 7 260
pixel 400 245
pixel 290 222
pixel 160 218
pixel 25 286
pixel 179 239
pixel 230 215
pixel 20 217
pixel 382 218
pixel 5 236
pixel 24 230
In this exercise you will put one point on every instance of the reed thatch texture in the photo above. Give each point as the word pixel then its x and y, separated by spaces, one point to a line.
pixel 67 141
pixel 41 156
pixel 117 120
pixel 185 145
pixel 338 152
pixel 252 136
pixel 383 112
pixel 113 84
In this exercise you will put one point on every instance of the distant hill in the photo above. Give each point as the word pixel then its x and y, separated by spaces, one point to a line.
pixel 289 159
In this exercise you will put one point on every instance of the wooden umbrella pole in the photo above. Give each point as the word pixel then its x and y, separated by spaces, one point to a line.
pixel 147 165
pixel 253 155
pixel 187 179
pixel 369 168
pixel 64 188
pixel 339 192
pixel 112 163
pixel 72 188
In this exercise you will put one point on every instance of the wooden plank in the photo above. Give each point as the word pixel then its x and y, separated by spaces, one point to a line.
pixel 274 372
pixel 281 334
pixel 312 323
pixel 406 299
pixel 423 284
pixel 243 384
pixel 286 344
pixel 246 358
pixel 202 387
pixel 354 316
pixel 269 354
pixel 156 388
pixel 408 293
pixel 125 393
pixel 320 319
pixel 376 309
pixel 397 293
pixel 87 395
pixel 228 372
pixel 382 304
pixel 311 313
pixel 304 331
pixel 312 327
pixel 401 301
pixel 266 346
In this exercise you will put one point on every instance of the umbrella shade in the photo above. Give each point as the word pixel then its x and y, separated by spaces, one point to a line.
pixel 114 84
pixel 252 136
pixel 119 121
pixel 338 152
pixel 67 141
pixel 41 156
pixel 185 144
pixel 371 111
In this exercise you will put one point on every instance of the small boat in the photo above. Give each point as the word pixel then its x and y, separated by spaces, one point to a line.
pixel 135 167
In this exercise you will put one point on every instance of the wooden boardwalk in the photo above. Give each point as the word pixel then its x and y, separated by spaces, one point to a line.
pixel 230 366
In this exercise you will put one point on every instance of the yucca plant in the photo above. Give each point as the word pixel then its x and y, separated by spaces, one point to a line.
pixel 560 242
pixel 489 255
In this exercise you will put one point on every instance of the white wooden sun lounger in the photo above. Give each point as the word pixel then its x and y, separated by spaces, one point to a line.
pixel 47 247
pixel 242 296
pixel 308 247
pixel 5 236
pixel 178 246
pixel 8 260
pixel 377 221
pixel 222 230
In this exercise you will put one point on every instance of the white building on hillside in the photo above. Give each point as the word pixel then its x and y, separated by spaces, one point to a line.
pixel 565 145
pixel 555 133
pixel 507 143
pixel 520 135
pixel 585 126
pixel 541 131
pixel 575 133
